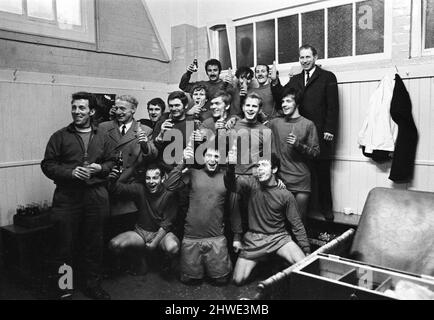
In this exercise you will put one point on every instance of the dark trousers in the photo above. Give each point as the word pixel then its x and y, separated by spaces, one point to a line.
pixel 79 215
pixel 321 184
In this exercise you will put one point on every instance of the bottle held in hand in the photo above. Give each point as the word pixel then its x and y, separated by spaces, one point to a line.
pixel 120 162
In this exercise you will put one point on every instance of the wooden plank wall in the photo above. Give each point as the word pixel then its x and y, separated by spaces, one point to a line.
pixel 34 106
pixel 354 175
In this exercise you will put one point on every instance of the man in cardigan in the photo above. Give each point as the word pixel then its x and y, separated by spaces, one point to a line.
pixel 320 105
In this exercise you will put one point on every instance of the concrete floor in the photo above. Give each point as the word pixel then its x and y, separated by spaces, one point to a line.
pixel 151 286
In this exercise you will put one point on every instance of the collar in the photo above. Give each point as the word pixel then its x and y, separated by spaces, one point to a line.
pixel 127 126
pixel 311 71
pixel 71 128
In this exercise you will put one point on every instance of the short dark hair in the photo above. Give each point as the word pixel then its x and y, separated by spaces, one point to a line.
pixel 213 62
pixel 198 87
pixel 254 95
pixel 262 64
pixel 226 96
pixel 157 102
pixel 307 47
pixel 178 95
pixel 82 95
pixel 244 72
pixel 290 91
pixel 275 161
pixel 154 166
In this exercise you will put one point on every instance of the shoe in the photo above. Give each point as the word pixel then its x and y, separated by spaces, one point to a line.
pixel 96 293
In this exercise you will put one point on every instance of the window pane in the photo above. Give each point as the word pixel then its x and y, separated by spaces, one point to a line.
pixel 340 32
pixel 370 27
pixel 265 42
pixel 244 35
pixel 69 11
pixel 224 55
pixel 42 9
pixel 429 25
pixel 12 6
pixel 288 39
pixel 313 30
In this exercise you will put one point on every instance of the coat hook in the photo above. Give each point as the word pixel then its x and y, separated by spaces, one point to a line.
pixel 15 74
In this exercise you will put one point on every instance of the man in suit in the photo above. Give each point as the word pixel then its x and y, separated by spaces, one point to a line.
pixel 320 105
pixel 124 132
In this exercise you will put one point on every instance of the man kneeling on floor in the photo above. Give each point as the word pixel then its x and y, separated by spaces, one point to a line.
pixel 157 206
pixel 204 249
pixel 268 208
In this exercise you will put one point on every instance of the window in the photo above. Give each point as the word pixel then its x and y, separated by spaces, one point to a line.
pixel 422 28
pixel 244 38
pixel 65 19
pixel 428 24
pixel 338 29
pixel 265 37
pixel 219 44
pixel 224 55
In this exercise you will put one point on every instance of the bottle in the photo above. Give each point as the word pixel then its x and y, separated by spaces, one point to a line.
pixel 196 65
pixel 86 162
pixel 120 162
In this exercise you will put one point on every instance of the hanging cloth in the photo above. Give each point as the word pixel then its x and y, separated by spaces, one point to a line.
pixel 406 143
pixel 378 134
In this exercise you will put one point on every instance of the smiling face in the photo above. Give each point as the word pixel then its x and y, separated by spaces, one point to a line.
pixel 264 171
pixel 213 73
pixel 218 107
pixel 251 109
pixel 176 109
pixel 124 111
pixel 261 74
pixel 153 180
pixel 211 158
pixel 307 59
pixel 199 96
pixel 289 107
pixel 81 113
pixel 154 112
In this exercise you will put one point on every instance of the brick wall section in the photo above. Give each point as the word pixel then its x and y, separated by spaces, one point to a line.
pixel 121 33
pixel 41 58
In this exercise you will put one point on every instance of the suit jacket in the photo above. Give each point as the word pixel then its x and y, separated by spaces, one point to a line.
pixel 320 103
pixel 132 157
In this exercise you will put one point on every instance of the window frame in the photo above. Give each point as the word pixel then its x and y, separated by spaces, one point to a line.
pixel 213 30
pixel 322 5
pixel 22 23
pixel 429 51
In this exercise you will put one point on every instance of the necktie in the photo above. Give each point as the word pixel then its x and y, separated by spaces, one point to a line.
pixel 307 76
pixel 124 127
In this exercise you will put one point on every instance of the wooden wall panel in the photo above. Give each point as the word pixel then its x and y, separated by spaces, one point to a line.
pixel 31 111
pixel 354 175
